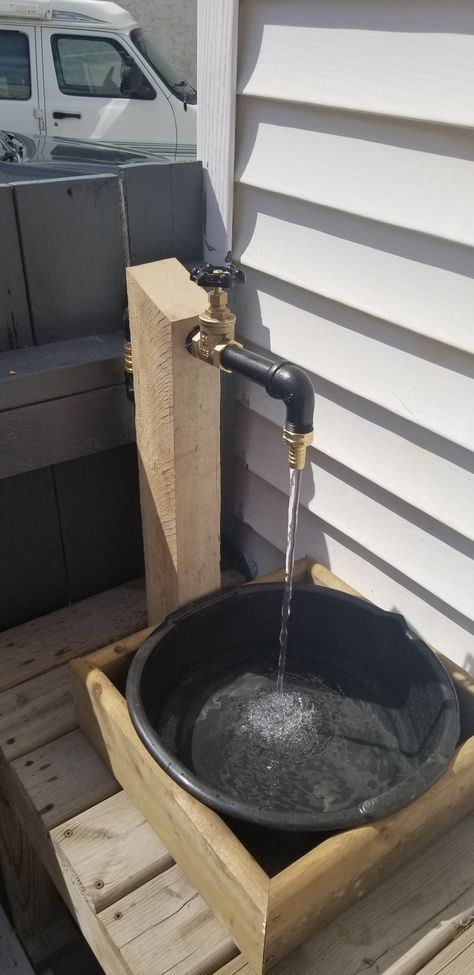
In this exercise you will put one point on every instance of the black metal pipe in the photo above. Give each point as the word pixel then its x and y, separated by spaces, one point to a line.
pixel 282 380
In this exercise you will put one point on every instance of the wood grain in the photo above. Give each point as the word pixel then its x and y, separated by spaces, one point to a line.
pixel 38 646
pixel 32 572
pixel 15 327
pixel 40 916
pixel 36 712
pixel 60 430
pixel 109 850
pixel 169 913
pixel 63 778
pixel 456 959
pixel 177 424
pixel 83 211
pixel 38 373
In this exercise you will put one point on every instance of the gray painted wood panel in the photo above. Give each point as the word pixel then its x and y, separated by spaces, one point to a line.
pixel 32 572
pixel 164 203
pixel 63 429
pixel 15 329
pixel 45 372
pixel 71 238
pixel 99 512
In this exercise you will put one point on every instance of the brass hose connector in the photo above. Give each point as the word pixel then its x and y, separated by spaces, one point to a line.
pixel 127 357
pixel 297 444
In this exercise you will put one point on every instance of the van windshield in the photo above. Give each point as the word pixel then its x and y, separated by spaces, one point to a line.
pixel 150 51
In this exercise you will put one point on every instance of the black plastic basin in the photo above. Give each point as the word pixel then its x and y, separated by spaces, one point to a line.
pixel 387 712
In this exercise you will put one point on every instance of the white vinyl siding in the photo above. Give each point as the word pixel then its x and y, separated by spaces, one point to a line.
pixel 354 220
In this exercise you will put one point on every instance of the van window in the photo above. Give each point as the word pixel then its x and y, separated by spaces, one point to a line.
pixel 97 67
pixel 15 77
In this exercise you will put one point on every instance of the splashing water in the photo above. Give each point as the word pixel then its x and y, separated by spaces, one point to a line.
pixel 293 505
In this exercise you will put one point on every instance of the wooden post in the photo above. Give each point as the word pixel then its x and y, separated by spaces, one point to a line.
pixel 39 914
pixel 177 423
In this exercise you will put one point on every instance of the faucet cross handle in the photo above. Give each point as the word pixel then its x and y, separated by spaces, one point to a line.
pixel 211 276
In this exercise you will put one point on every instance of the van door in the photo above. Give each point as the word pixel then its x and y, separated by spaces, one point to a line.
pixel 20 107
pixel 97 88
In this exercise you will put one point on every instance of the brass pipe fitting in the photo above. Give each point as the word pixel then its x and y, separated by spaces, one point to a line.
pixel 216 330
pixel 213 341
pixel 127 357
pixel 297 444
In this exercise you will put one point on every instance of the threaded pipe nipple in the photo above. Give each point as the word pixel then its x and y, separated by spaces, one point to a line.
pixel 297 444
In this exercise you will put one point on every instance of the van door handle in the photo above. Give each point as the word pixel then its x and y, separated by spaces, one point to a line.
pixel 66 115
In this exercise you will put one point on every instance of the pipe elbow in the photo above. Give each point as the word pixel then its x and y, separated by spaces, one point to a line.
pixel 293 386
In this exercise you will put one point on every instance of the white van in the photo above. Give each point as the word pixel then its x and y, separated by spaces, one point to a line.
pixel 83 69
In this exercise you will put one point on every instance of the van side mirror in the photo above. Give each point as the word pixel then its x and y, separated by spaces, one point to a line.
pixel 133 82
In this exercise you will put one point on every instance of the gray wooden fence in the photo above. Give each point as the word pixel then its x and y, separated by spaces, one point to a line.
pixel 69 508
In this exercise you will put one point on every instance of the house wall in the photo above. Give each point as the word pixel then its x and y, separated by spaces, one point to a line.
pixel 173 24
pixel 354 219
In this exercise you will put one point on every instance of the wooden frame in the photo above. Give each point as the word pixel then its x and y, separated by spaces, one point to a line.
pixel 266 917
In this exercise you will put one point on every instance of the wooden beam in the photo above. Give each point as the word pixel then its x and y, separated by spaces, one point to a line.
pixel 41 918
pixel 63 778
pixel 217 32
pixel 39 646
pixel 45 372
pixel 109 850
pixel 72 248
pixel 177 424
pixel 166 915
pixel 164 206
pixel 36 712
pixel 15 326
pixel 62 429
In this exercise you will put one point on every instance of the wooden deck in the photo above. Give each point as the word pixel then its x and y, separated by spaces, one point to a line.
pixel 134 906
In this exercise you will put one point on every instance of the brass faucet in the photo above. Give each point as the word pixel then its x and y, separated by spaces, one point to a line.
pixel 213 341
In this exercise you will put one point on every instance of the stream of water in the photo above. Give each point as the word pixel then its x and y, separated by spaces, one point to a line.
pixel 293 506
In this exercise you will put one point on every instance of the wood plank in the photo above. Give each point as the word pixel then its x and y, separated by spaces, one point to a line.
pixel 177 424
pixel 36 712
pixel 62 429
pixel 15 326
pixel 44 372
pixel 32 572
pixel 233 884
pixel 164 206
pixel 80 218
pixel 166 915
pixel 43 644
pixel 456 959
pixel 217 32
pixel 99 511
pixel 373 58
pixel 64 777
pixel 41 918
pixel 109 850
